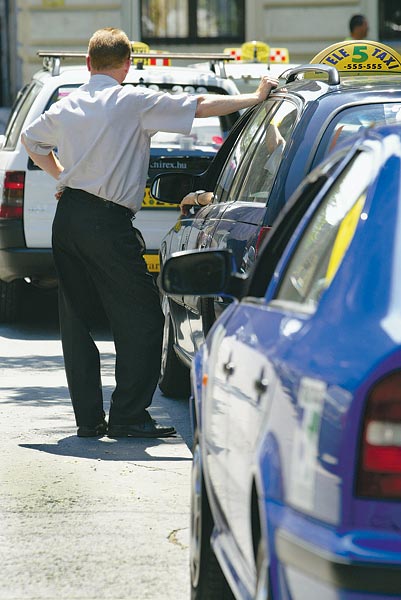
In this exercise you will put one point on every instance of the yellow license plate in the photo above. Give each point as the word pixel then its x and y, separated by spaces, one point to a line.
pixel 149 202
pixel 152 260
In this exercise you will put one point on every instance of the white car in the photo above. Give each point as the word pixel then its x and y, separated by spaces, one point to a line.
pixel 27 201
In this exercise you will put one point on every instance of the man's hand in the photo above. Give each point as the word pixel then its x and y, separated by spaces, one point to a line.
pixel 266 85
pixel 190 200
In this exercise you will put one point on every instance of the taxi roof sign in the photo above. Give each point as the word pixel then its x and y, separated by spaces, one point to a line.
pixel 234 52
pixel 360 57
pixel 255 51
pixel 279 55
pixel 258 52
pixel 142 48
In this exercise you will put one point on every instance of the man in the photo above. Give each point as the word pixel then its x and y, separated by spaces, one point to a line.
pixel 102 134
pixel 358 27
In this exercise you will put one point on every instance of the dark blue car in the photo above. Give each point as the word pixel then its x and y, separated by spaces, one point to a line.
pixel 264 159
pixel 296 481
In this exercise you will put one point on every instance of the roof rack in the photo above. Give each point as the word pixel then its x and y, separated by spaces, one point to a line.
pixel 331 72
pixel 52 59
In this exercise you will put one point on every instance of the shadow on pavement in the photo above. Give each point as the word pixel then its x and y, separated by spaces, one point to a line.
pixel 38 317
pixel 131 449
pixel 50 364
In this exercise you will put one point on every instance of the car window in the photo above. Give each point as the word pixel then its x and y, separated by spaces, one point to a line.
pixel 267 149
pixel 58 93
pixel 324 242
pixel 19 112
pixel 235 158
pixel 61 92
pixel 206 135
pixel 350 120
pixel 314 185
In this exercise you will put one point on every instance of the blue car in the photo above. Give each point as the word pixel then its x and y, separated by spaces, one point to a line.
pixel 296 407
pixel 349 86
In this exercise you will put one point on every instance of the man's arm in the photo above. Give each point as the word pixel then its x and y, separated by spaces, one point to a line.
pixel 48 162
pixel 218 105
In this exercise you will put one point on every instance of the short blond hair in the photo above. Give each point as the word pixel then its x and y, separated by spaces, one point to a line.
pixel 108 48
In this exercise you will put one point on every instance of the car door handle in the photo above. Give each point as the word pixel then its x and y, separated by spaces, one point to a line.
pixel 229 368
pixel 261 385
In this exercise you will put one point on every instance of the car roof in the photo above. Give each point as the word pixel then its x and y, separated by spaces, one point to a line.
pixel 176 75
pixel 147 68
pixel 348 90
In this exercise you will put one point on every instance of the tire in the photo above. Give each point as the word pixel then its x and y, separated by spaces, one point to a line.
pixel 207 579
pixel 174 380
pixel 10 300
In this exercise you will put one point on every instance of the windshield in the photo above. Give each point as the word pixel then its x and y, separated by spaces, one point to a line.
pixel 206 134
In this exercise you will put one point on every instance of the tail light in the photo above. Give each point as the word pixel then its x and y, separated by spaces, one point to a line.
pixel 261 236
pixel 12 202
pixel 379 473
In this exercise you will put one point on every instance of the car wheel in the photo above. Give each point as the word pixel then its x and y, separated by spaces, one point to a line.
pixel 174 380
pixel 10 299
pixel 207 579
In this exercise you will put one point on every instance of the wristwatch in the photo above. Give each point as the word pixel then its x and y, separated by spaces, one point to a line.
pixel 197 194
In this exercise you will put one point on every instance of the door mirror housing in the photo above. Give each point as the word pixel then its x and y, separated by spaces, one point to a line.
pixel 172 187
pixel 202 273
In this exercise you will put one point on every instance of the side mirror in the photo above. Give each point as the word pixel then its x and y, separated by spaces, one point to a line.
pixel 201 273
pixel 172 187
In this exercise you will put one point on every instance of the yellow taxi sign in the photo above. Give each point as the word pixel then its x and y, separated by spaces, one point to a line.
pixel 142 48
pixel 255 51
pixel 139 48
pixel 259 52
pixel 152 262
pixel 149 202
pixel 360 57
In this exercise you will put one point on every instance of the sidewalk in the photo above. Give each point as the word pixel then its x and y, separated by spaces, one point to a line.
pixel 81 518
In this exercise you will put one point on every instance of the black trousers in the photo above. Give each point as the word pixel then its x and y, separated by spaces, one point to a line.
pixel 98 253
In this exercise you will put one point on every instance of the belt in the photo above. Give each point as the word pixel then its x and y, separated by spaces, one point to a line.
pixel 107 203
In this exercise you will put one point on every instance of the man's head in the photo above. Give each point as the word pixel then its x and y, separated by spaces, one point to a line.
pixel 108 49
pixel 358 26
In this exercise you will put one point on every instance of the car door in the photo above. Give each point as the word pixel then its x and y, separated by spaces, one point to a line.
pixel 253 383
pixel 39 200
pixel 243 189
pixel 186 232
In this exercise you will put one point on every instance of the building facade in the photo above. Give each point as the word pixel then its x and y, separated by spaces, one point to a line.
pixel 302 26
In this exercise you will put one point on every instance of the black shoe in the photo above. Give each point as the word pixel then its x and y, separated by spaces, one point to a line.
pixel 97 431
pixel 145 429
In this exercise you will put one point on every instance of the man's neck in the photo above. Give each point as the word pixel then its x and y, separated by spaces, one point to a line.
pixel 112 73
pixel 118 74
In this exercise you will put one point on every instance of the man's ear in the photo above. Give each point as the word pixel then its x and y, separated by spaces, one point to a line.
pixel 88 62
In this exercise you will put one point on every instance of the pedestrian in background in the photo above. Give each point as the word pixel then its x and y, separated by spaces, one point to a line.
pixel 102 133
pixel 358 27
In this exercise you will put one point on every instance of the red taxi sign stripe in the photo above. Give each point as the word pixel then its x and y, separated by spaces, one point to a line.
pixel 360 57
